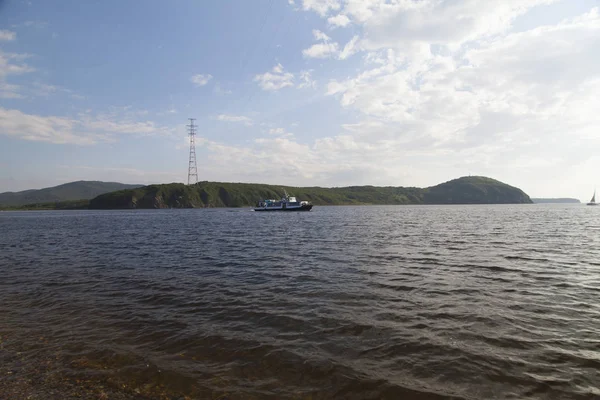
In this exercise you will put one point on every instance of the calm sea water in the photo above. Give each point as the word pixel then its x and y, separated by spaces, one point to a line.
pixel 398 302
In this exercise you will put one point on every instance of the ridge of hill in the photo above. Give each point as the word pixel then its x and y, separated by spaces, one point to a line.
pixel 79 190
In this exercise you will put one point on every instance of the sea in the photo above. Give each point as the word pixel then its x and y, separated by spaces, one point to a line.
pixel 348 302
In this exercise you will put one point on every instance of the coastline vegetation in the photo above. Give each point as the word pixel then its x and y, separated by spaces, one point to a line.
pixel 466 190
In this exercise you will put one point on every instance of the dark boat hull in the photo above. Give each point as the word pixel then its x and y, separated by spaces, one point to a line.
pixel 301 208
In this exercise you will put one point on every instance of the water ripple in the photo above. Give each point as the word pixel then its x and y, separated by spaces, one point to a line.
pixel 449 302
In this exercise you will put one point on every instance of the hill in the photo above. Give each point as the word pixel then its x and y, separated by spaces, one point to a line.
pixel 474 190
pixel 80 190
pixel 557 200
pixel 466 190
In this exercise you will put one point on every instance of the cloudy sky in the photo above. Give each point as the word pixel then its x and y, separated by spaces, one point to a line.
pixel 303 92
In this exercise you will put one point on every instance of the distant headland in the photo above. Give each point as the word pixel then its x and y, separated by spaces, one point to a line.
pixel 67 192
pixel 556 200
pixel 465 190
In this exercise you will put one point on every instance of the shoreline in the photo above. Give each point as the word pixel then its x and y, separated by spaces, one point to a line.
pixel 30 373
pixel 250 207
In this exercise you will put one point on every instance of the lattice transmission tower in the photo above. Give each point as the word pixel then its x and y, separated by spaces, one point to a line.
pixel 192 169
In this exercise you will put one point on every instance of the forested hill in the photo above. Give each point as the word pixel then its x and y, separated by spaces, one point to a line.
pixel 474 190
pixel 80 190
pixel 466 190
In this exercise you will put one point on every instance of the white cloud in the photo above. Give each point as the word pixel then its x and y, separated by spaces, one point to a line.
pixel 321 7
pixel 169 111
pixel 36 24
pixel 319 35
pixel 86 129
pixel 235 118
pixel 107 126
pixel 280 132
pixel 44 89
pixel 276 131
pixel 218 90
pixel 327 48
pixel 12 64
pixel 30 24
pixel 280 159
pixel 276 79
pixel 349 49
pixel 37 89
pixel 390 24
pixel 306 80
pixel 7 36
pixel 321 50
pixel 522 73
pixel 45 129
pixel 10 91
pixel 338 20
pixel 200 79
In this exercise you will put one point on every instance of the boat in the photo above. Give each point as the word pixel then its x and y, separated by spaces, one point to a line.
pixel 593 200
pixel 287 203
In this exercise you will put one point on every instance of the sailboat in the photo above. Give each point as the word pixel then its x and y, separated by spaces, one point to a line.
pixel 593 200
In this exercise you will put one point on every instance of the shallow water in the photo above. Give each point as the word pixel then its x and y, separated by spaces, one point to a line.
pixel 473 302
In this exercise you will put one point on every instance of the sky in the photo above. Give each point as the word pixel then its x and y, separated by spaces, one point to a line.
pixel 303 92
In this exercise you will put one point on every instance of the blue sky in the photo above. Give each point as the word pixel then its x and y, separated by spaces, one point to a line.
pixel 304 92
